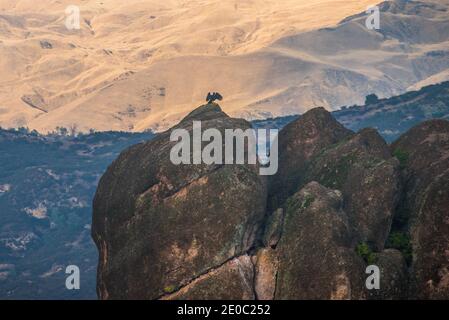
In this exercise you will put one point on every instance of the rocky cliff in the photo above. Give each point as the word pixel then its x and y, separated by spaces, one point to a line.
pixel 340 201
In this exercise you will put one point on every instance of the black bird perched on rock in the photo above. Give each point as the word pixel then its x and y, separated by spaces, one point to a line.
pixel 211 97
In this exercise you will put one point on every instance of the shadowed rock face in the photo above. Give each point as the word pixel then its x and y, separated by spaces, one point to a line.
pixel 394 276
pixel 207 231
pixel 424 155
pixel 317 148
pixel 299 142
pixel 159 226
pixel 424 151
pixel 316 258
pixel 368 176
pixel 430 240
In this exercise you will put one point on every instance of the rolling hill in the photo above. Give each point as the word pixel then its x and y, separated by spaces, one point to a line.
pixel 143 65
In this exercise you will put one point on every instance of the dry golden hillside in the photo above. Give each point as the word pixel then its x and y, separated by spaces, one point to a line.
pixel 135 65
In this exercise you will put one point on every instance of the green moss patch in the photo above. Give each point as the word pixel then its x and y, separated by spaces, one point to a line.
pixel 401 241
pixel 169 289
pixel 364 251
pixel 402 156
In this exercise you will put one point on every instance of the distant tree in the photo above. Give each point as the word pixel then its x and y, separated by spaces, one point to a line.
pixel 371 99
pixel 61 131
pixel 73 129
pixel 23 130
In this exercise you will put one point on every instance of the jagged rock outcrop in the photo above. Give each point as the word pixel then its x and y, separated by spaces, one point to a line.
pixel 317 148
pixel 341 201
pixel 316 257
pixel 158 226
pixel 430 242
pixel 299 142
pixel 368 176
pixel 424 155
